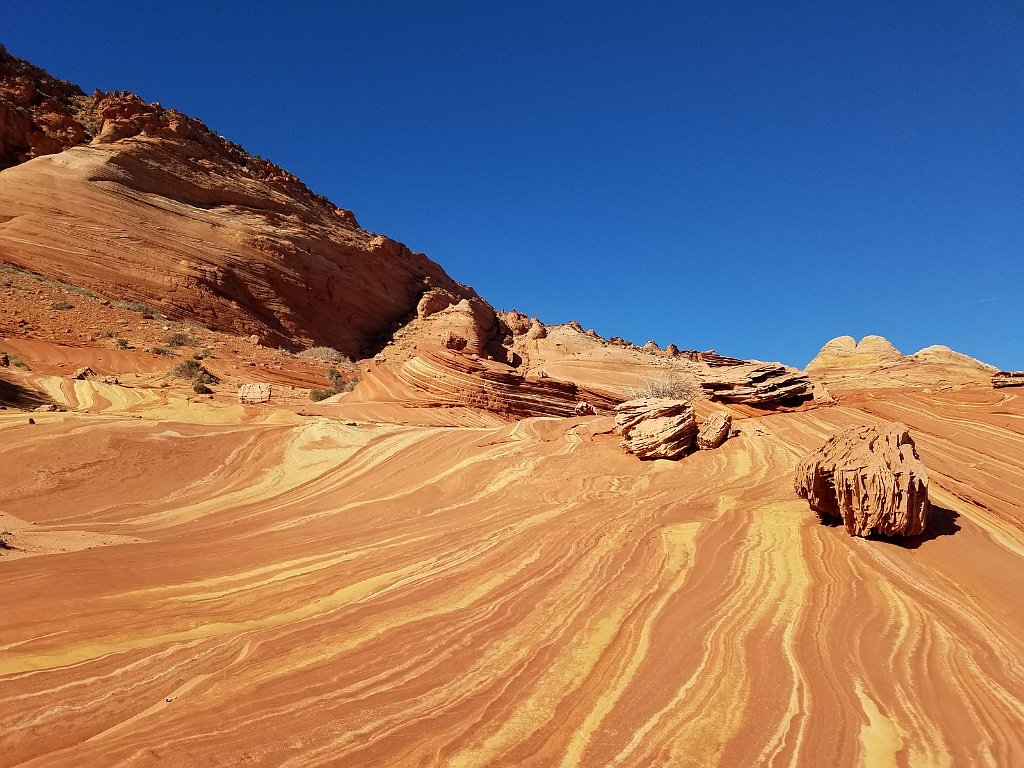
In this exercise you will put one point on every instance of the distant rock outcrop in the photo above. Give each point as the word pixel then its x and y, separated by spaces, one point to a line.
pixel 762 385
pixel 714 431
pixel 939 353
pixel 1008 379
pixel 656 428
pixel 846 351
pixel 870 478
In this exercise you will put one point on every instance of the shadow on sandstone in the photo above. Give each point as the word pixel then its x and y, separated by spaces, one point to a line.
pixel 941 522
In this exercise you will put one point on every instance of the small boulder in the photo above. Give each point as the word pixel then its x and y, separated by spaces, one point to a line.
pixel 253 394
pixel 46 409
pixel 870 478
pixel 536 331
pixel 656 428
pixel 4 360
pixel 83 373
pixel 714 431
pixel 583 408
pixel 453 341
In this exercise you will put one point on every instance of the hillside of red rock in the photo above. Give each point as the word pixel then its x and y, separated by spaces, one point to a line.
pixel 142 203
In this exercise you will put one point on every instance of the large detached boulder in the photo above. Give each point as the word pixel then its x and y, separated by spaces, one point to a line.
pixel 870 478
pixel 656 428
pixel 714 431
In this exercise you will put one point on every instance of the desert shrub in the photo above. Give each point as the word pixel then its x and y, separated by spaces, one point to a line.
pixel 17 362
pixel 133 306
pixel 61 305
pixel 121 344
pixel 194 371
pixel 108 334
pixel 160 350
pixel 201 389
pixel 330 354
pixel 673 386
pixel 180 340
pixel 316 395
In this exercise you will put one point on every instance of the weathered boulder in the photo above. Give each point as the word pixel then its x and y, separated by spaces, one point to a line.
pixel 656 428
pixel 714 430
pixel 453 341
pixel 870 478
pixel 1008 379
pixel 83 373
pixel 536 331
pixel 4 360
pixel 252 394
pixel 583 408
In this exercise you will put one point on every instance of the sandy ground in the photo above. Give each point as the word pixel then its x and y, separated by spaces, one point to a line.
pixel 297 591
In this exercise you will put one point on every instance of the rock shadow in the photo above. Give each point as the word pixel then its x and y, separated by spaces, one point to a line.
pixel 17 396
pixel 941 522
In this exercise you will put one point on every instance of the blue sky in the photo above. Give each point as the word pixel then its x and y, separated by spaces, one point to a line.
pixel 752 177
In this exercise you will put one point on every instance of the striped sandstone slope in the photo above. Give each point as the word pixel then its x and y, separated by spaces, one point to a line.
pixel 527 594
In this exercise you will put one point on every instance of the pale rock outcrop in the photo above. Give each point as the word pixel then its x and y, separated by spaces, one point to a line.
pixel 871 478
pixel 433 301
pixel 714 431
pixel 846 351
pixel 1008 379
pixel 939 353
pixel 536 331
pixel 252 394
pixel 656 428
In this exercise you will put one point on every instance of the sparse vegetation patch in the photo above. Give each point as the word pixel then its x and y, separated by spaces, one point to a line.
pixel 328 354
pixel 673 386
pixel 194 371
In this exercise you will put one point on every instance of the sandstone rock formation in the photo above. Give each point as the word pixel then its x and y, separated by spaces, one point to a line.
pixel 714 431
pixel 159 210
pixel 940 353
pixel 583 408
pixel 252 394
pixel 1008 379
pixel 83 373
pixel 870 478
pixel 763 385
pixel 433 301
pixel 847 351
pixel 656 428
pixel 453 341
pixel 440 378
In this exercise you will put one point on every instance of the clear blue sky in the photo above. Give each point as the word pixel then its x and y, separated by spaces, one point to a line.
pixel 753 177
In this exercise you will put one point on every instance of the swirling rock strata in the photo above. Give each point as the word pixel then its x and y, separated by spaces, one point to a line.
pixel 656 428
pixel 870 478
pixel 157 209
